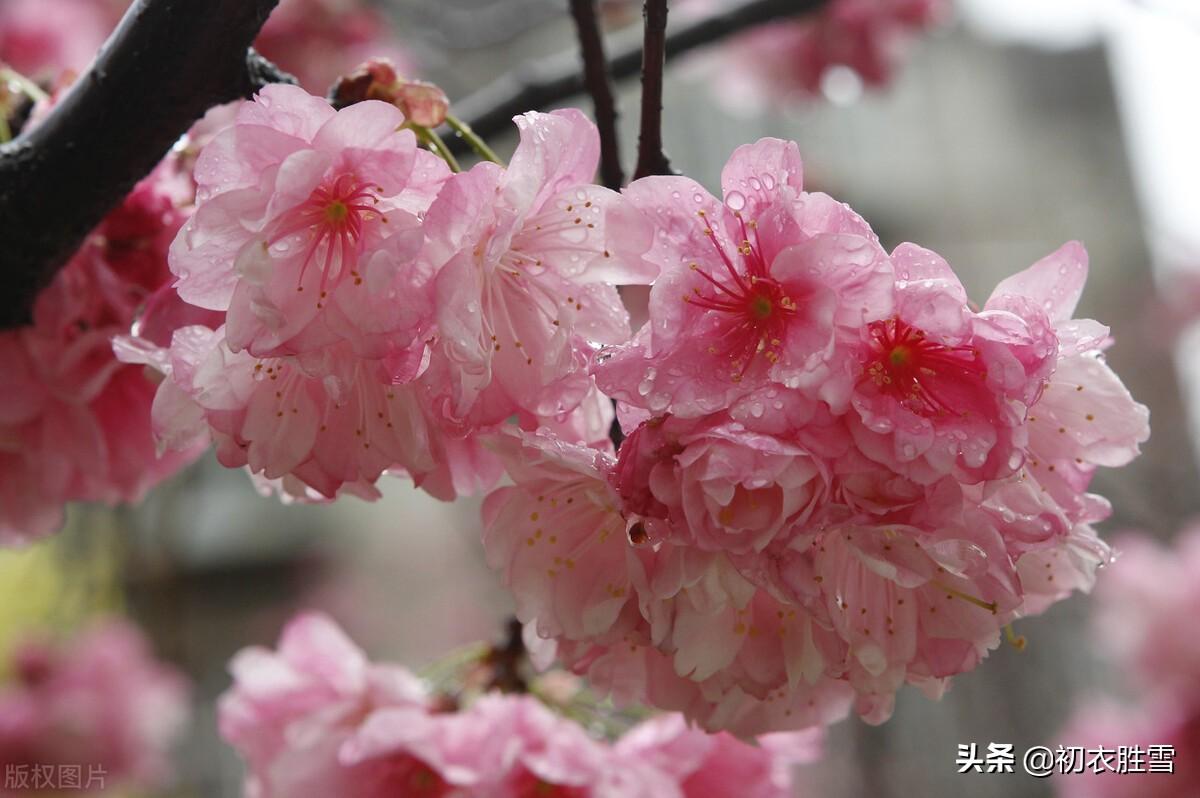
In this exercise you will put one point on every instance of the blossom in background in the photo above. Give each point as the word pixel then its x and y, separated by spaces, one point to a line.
pixel 99 701
pixel 789 60
pixel 320 40
pixel 74 425
pixel 839 476
pixel 41 38
pixel 1145 596
pixel 315 717
pixel 315 40
pixel 1149 595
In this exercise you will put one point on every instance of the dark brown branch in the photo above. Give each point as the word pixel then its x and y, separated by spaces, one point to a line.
pixel 651 158
pixel 599 85
pixel 491 109
pixel 167 63
pixel 508 661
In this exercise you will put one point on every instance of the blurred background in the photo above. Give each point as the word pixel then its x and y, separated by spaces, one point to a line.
pixel 1013 127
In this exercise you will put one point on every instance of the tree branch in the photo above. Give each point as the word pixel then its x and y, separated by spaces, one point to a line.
pixel 651 158
pixel 599 86
pixel 167 63
pixel 491 109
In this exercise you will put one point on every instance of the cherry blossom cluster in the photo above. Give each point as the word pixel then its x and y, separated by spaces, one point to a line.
pixel 1150 594
pixel 98 703
pixel 74 421
pixel 316 718
pixel 840 475
pixel 380 314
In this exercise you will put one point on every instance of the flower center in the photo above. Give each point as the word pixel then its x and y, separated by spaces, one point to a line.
pixel 333 220
pixel 761 306
pixel 336 212
pixel 757 307
pixel 927 378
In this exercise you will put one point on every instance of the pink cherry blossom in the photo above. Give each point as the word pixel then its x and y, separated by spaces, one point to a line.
pixel 717 765
pixel 305 230
pixel 294 714
pixel 774 564
pixel 525 260
pixel 942 388
pixel 316 717
pixel 329 420
pixel 513 746
pixel 725 488
pixel 74 426
pixel 768 288
pixel 1084 416
pixel 635 606
pixel 99 700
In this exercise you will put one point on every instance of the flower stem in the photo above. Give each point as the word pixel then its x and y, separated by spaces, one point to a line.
pixel 466 134
pixel 434 142
pixel 27 86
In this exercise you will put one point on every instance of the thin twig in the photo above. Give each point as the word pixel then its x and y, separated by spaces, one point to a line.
pixel 491 109
pixel 599 86
pixel 463 132
pixel 651 158
pixel 167 63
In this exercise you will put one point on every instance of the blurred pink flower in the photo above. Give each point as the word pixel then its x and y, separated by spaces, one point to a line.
pixel 315 718
pixel 99 701
pixel 74 423
pixel 788 60
pixel 720 765
pixel 1146 597
pixel 296 716
pixel 42 38
pixel 1116 731
pixel 320 40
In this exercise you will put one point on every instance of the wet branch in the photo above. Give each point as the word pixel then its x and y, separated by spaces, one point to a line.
pixel 167 63
pixel 599 85
pixel 491 109
pixel 651 158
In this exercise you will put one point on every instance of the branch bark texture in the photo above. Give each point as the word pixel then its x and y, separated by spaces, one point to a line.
pixel 167 63
pixel 599 85
pixel 652 160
